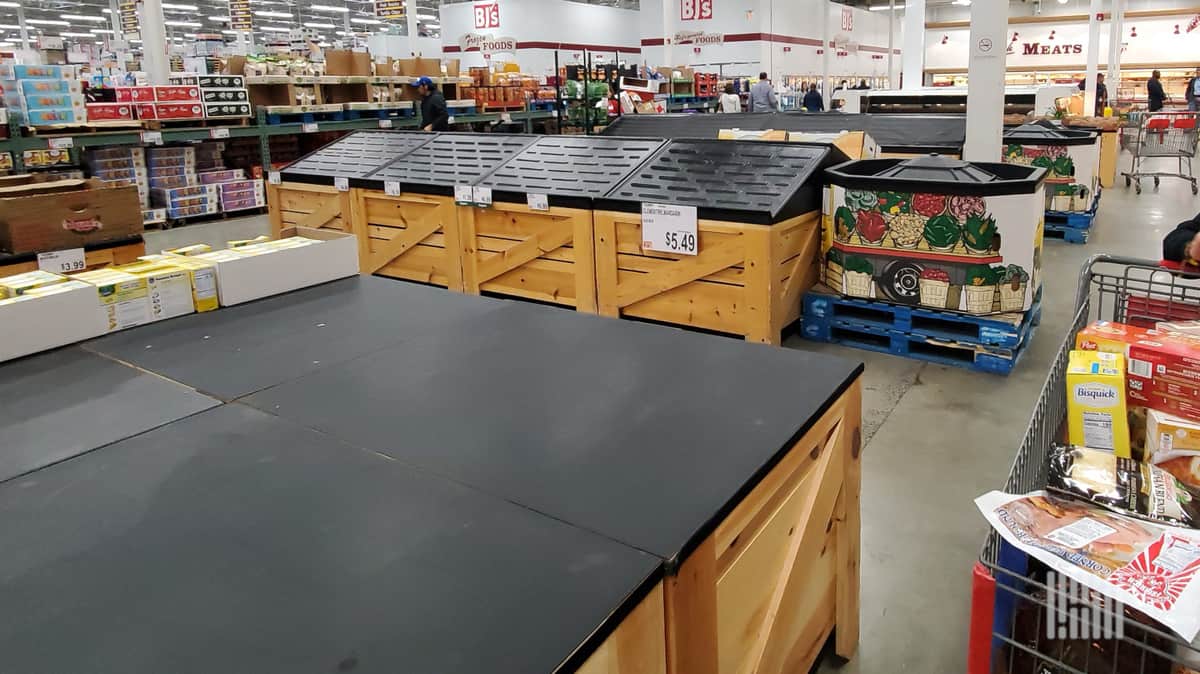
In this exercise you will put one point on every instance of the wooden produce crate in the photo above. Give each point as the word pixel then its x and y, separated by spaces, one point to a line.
pixel 758 233
pixel 536 239
pixel 294 204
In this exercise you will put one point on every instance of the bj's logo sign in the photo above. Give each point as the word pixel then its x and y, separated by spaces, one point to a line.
pixel 1039 49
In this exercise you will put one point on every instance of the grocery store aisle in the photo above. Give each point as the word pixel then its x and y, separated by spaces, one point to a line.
pixel 940 436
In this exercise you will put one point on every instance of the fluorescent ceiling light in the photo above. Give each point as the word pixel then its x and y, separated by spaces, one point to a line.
pixel 884 8
pixel 219 19
pixel 185 8
pixel 230 32
pixel 101 30
pixel 80 17
pixel 281 15
pixel 329 8
pixel 66 34
pixel 10 4
pixel 275 29
pixel 6 44
pixel 183 24
pixel 106 11
pixel 319 25
pixel 368 22
pixel 48 22
pixel 10 26
pixel 324 44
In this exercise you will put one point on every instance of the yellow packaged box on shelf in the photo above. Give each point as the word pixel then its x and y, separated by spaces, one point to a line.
pixel 12 286
pixel 1096 413
pixel 190 250
pixel 248 242
pixel 204 281
pixel 168 287
pixel 124 297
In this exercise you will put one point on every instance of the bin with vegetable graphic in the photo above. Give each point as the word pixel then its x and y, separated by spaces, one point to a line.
pixel 1071 158
pixel 938 232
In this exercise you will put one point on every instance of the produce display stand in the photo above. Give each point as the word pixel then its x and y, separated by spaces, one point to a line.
pixel 758 236
pixel 94 257
pixel 347 400
pixel 1009 589
pixel 545 254
pixel 1071 158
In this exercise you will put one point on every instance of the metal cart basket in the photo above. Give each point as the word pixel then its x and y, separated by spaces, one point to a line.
pixel 1161 135
pixel 1009 589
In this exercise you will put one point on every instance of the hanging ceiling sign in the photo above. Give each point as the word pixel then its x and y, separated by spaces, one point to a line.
pixel 129 19
pixel 698 37
pixel 239 15
pixel 389 9
pixel 487 43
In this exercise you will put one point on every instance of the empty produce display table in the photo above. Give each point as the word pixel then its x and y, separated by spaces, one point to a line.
pixel 497 486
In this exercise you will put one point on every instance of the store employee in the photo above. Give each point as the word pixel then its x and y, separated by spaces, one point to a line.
pixel 434 115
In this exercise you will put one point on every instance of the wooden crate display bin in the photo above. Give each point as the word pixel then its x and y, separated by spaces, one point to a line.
pixel 414 232
pixel 758 228
pixel 545 253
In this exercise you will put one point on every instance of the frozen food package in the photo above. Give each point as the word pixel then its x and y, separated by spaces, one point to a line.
pixel 1126 486
pixel 1150 567
pixel 1173 444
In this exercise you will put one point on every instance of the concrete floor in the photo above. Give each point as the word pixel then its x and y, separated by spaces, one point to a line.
pixel 937 437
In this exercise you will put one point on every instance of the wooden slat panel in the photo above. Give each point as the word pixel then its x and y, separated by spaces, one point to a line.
pixel 412 236
pixel 710 306
pixel 848 527
pixel 542 280
pixel 422 263
pixel 637 645
pixel 639 263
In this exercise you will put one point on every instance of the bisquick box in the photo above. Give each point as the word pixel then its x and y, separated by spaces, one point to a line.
pixel 220 81
pixel 209 177
pixel 14 71
pixel 221 110
pixel 224 95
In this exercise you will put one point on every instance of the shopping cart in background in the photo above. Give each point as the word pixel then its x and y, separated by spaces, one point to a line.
pixel 1161 135
pixel 1009 604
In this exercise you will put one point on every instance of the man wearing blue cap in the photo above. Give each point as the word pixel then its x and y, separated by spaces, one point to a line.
pixel 434 116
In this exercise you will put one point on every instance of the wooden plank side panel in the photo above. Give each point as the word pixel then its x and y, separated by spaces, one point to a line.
pixel 707 306
pixel 849 527
pixel 412 236
pixel 691 612
pixel 638 645
pixel 797 246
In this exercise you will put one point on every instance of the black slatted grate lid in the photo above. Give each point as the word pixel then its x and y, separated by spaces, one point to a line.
pixel 356 155
pixel 746 181
pixel 585 167
pixel 687 125
pixel 451 159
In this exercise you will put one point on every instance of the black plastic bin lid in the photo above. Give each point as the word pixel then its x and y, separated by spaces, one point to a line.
pixel 893 133
pixel 693 125
pixel 450 159
pixel 1045 133
pixel 750 181
pixel 570 170
pixel 353 156
pixel 937 174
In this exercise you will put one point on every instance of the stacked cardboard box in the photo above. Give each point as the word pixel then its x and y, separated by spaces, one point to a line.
pixel 119 167
pixel 41 95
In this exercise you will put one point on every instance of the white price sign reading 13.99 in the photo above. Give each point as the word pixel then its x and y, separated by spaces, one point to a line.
pixel 669 228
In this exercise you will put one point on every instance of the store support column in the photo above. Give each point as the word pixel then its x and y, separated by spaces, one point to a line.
pixel 154 41
pixel 1093 57
pixel 912 55
pixel 1116 28
pixel 985 80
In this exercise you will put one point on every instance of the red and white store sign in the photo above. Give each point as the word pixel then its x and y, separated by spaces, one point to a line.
pixel 691 10
pixel 487 15
pixel 847 19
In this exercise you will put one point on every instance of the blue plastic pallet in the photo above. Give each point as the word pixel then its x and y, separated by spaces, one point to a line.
pixel 1063 219
pixel 305 117
pixel 922 322
pixel 1068 234
pixel 973 357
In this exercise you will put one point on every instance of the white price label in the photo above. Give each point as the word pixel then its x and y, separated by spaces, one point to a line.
pixel 308 127
pixel 482 196
pixel 463 195
pixel 391 188
pixel 385 123
pixel 505 118
pixel 152 137
pixel 342 184
pixel 61 143
pixel 537 202
pixel 274 178
pixel 218 132
pixel 62 261
pixel 450 119
pixel 669 228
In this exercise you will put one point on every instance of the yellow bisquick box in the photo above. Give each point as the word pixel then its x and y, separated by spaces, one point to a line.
pixel 1096 414
pixel 204 281
pixel 124 296
pixel 168 287
pixel 12 286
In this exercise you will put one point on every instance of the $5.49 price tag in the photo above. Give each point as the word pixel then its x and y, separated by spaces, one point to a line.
pixel 669 228
pixel 62 261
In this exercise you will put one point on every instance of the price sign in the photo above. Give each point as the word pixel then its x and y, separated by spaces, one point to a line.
pixel 218 132
pixel 342 184
pixel 505 118
pixel 391 188
pixel 537 202
pixel 450 119
pixel 65 143
pixel 62 261
pixel 669 228
pixel 274 178
pixel 482 196
pixel 464 195
pixel 239 15
pixel 385 123
pixel 152 137
pixel 308 127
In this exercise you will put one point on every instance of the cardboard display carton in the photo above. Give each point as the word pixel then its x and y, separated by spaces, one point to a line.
pixel 56 315
pixel 46 214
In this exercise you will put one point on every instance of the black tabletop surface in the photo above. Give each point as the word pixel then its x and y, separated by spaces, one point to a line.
pixel 64 403
pixel 643 433
pixel 234 541
pixel 238 350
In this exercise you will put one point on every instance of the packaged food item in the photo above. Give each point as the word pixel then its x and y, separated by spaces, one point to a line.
pixel 168 288
pixel 1181 327
pixel 20 284
pixel 203 275
pixel 193 249
pixel 1111 337
pixel 1122 485
pixel 125 297
pixel 247 242
pixel 1149 567
pixel 1164 375
pixel 1096 414
pixel 1173 444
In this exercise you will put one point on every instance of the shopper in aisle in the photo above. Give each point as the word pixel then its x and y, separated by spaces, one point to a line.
pixel 1101 93
pixel 1154 91
pixel 729 101
pixel 1182 244
pixel 434 115
pixel 762 96
pixel 862 84
pixel 812 100
pixel 1193 92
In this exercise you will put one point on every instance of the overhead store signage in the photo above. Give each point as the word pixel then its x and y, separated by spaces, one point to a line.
pixel 486 43
pixel 691 10
pixel 487 15
pixel 129 19
pixel 389 9
pixel 239 15
pixel 697 37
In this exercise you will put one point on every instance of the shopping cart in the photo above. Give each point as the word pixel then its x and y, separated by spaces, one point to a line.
pixel 1161 135
pixel 1009 589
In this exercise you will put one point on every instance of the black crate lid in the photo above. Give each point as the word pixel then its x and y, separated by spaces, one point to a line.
pixel 756 182
pixel 937 174
pixel 1046 133
pixel 450 159
pixel 353 156
pixel 893 133
pixel 571 170
pixel 694 125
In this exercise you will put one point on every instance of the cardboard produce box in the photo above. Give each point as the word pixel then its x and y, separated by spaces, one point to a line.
pixel 46 214
pixel 246 274
pixel 416 67
pixel 48 317
pixel 346 62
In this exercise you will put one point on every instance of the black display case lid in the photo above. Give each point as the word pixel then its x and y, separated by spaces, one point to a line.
pixel 937 174
pixel 687 125
pixel 570 170
pixel 353 156
pixel 1046 133
pixel 755 182
pixel 449 159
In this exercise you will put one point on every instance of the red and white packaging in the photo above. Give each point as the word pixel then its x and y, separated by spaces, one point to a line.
pixel 135 94
pixel 109 111
pixel 1164 374
pixel 146 111
pixel 176 93
pixel 171 111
